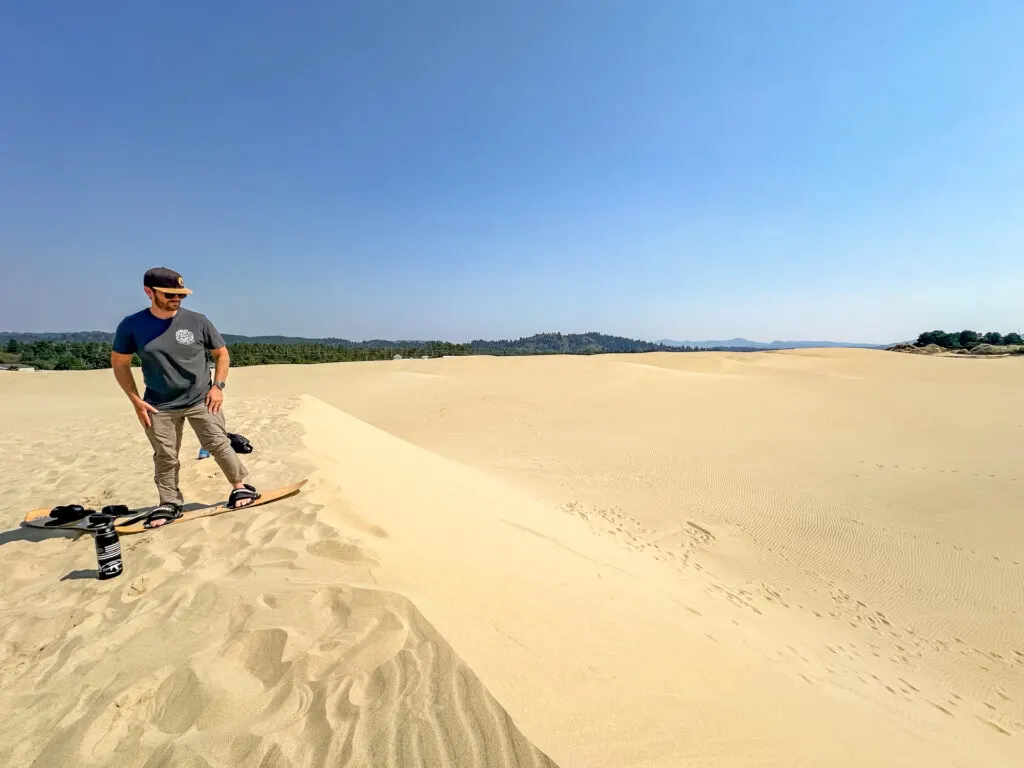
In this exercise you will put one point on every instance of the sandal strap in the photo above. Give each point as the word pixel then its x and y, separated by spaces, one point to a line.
pixel 69 512
pixel 248 492
pixel 164 512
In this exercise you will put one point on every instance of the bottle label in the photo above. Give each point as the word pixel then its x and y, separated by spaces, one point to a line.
pixel 112 568
pixel 108 550
pixel 108 555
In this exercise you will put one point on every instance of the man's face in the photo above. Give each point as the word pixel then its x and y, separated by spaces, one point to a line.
pixel 166 302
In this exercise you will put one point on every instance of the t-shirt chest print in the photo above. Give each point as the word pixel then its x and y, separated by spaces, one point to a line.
pixel 184 336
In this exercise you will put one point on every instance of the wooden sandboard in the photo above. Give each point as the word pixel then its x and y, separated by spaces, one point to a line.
pixel 265 498
pixel 40 518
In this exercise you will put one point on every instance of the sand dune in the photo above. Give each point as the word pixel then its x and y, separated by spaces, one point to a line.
pixel 241 641
pixel 787 558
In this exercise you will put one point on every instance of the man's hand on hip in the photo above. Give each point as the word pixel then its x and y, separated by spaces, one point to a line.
pixel 142 410
pixel 214 399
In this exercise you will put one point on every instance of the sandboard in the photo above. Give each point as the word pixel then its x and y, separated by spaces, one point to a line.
pixel 136 524
pixel 41 518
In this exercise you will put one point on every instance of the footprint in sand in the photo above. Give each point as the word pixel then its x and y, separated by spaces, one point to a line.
pixel 341 552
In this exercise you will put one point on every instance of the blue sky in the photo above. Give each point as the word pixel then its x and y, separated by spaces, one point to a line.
pixel 459 170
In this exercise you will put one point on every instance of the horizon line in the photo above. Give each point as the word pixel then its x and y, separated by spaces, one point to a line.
pixel 660 340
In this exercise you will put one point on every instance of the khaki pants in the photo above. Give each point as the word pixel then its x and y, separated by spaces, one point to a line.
pixel 165 437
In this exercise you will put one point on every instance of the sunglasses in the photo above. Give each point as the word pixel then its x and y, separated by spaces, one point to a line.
pixel 166 295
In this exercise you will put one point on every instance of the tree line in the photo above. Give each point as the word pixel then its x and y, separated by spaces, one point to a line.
pixel 967 339
pixel 50 355
pixel 246 353
pixel 591 343
pixel 67 355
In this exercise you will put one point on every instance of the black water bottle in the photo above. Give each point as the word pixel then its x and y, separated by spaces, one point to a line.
pixel 108 547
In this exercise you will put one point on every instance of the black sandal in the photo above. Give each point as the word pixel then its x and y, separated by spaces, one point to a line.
pixel 168 512
pixel 248 492
pixel 69 513
pixel 77 516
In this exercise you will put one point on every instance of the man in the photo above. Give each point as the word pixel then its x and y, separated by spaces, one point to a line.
pixel 171 342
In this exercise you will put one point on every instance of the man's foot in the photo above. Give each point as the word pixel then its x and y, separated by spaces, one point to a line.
pixel 162 515
pixel 242 495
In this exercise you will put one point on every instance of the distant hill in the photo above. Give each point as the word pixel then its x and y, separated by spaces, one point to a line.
pixel 748 344
pixel 230 338
pixel 564 343
pixel 329 341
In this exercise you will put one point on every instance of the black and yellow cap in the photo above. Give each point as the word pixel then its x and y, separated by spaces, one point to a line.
pixel 166 280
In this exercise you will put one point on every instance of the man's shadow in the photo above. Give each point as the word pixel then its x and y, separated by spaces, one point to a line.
pixel 27 533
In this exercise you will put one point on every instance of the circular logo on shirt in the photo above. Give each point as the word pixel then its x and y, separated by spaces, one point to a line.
pixel 184 336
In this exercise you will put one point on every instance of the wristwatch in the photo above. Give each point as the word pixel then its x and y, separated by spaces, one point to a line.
pixel 220 384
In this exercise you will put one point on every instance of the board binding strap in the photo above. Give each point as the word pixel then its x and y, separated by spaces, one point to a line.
pixel 75 517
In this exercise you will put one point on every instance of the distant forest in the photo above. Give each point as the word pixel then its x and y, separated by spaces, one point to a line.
pixel 91 349
pixel 967 339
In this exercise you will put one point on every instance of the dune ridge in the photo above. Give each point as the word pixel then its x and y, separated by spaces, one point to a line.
pixel 637 598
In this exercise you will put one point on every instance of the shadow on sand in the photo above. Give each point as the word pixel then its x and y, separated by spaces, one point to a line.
pixel 77 575
pixel 26 533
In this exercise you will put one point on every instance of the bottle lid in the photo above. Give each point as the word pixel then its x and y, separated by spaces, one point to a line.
pixel 101 523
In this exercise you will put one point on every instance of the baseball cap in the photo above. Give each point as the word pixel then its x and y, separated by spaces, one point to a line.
pixel 166 280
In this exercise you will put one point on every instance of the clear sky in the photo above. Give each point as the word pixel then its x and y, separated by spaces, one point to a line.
pixel 651 168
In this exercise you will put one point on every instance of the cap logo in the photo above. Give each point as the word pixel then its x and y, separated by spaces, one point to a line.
pixel 181 282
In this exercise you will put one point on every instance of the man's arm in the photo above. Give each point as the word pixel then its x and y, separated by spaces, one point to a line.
pixel 222 361
pixel 122 365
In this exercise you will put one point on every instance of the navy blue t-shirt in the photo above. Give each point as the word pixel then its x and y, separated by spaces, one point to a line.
pixel 173 355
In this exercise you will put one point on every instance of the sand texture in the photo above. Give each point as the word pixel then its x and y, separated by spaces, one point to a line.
pixel 796 558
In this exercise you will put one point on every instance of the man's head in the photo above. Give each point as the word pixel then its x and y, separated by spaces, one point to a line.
pixel 165 287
